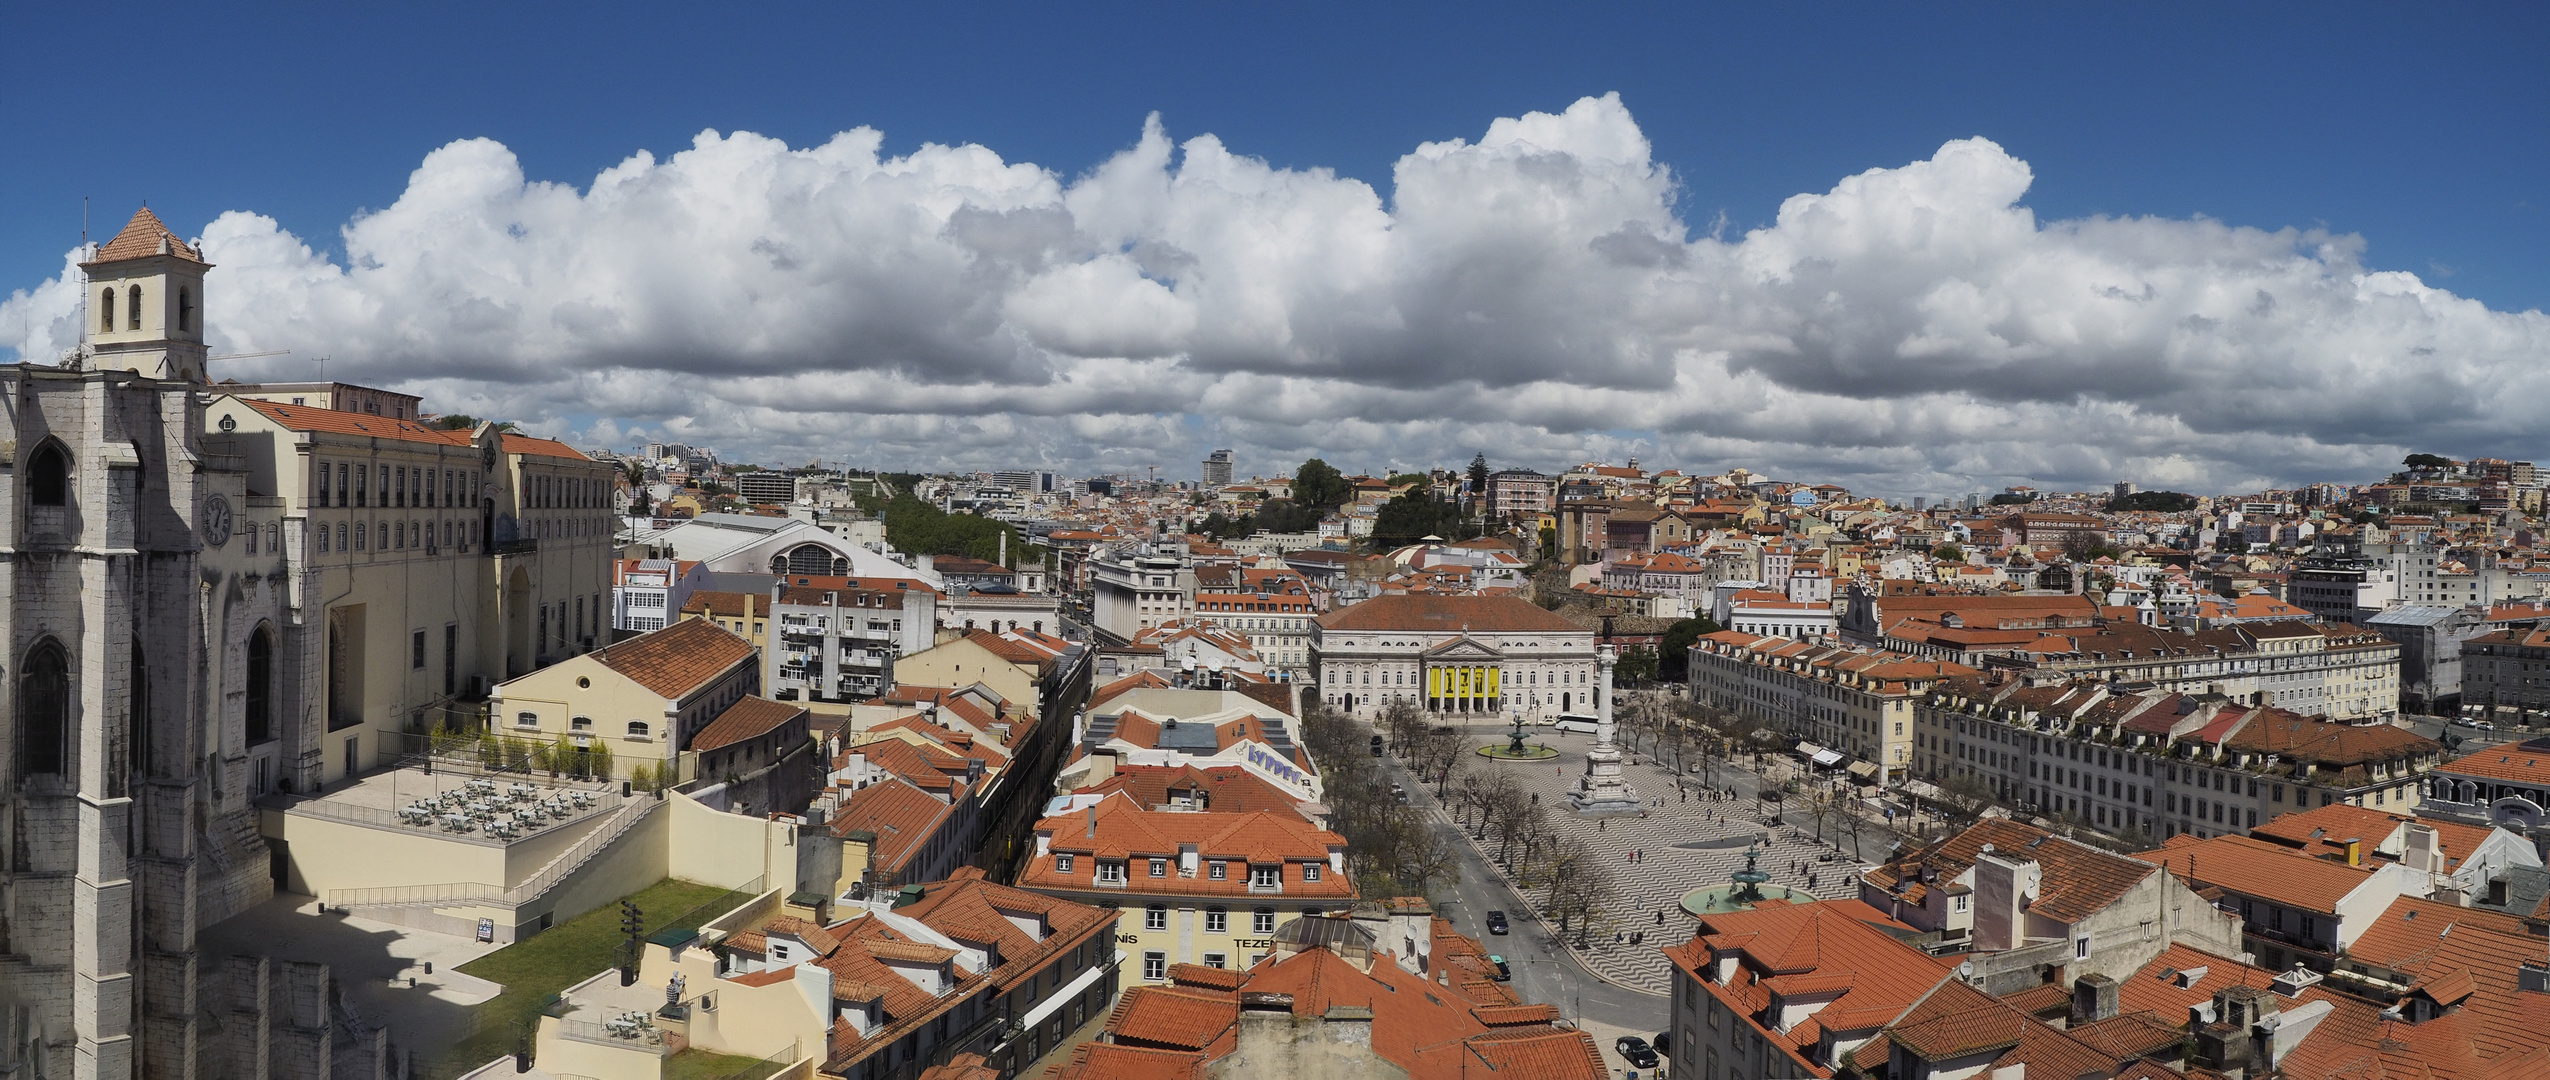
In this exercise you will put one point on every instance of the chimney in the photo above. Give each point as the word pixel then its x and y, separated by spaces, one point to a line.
pixel 1102 766
pixel 2354 852
pixel 2425 852
pixel 1093 821
pixel 2093 998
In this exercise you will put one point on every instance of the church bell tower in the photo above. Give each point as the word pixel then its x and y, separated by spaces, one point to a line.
pixel 146 303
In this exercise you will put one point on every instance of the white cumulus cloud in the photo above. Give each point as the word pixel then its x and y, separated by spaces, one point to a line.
pixel 1532 293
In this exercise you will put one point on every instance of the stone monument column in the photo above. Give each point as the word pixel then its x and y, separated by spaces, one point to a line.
pixel 1603 790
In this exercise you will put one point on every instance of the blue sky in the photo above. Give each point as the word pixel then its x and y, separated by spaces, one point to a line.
pixel 2419 131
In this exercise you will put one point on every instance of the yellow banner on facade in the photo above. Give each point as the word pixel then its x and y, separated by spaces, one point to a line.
pixel 1434 682
pixel 1495 676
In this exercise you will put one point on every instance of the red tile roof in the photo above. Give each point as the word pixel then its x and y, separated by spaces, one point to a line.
pixel 678 660
pixel 2259 869
pixel 141 237
pixel 305 418
pixel 747 718
pixel 2077 880
pixel 2522 763
pixel 1773 940
pixel 900 815
pixel 1447 614
pixel 537 447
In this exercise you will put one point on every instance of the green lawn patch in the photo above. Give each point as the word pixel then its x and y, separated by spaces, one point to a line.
pixel 552 960
pixel 698 1064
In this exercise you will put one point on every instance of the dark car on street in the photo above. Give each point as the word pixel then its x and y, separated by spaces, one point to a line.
pixel 1504 971
pixel 1496 922
pixel 1376 746
pixel 1636 1051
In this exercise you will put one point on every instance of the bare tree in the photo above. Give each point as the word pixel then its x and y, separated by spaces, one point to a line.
pixel 1470 788
pixel 1581 890
pixel 1404 724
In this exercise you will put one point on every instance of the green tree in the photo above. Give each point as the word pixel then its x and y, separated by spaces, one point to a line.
pixel 1949 553
pixel 1285 516
pixel 1674 660
pixel 2427 461
pixel 1413 517
pixel 918 527
pixel 1479 475
pixel 2168 502
pixel 1319 485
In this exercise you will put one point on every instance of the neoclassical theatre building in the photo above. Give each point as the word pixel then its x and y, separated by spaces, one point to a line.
pixel 1476 655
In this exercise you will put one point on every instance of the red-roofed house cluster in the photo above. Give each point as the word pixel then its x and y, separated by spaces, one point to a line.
pixel 1382 988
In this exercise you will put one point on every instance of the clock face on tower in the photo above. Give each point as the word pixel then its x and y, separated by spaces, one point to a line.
pixel 216 523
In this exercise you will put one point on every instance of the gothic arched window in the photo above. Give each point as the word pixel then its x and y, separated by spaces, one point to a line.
pixel 261 685
pixel 106 310
pixel 133 308
pixel 49 476
pixel 44 711
pixel 185 310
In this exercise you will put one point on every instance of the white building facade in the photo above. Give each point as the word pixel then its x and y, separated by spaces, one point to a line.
pixel 1454 654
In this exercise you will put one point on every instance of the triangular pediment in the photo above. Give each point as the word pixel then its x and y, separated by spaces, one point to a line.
pixel 1463 648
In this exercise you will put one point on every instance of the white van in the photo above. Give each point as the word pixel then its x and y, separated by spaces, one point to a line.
pixel 1576 725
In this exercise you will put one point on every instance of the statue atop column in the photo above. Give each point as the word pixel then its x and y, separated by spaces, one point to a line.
pixel 1603 790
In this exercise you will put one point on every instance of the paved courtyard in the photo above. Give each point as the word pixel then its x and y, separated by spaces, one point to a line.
pixel 1684 843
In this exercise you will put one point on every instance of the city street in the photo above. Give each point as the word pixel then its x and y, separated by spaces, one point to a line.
pixel 1683 844
pixel 2468 739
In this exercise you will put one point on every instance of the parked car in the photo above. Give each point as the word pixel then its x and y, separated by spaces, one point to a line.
pixel 2483 725
pixel 1496 922
pixel 1636 1051
pixel 1503 972
pixel 1399 792
pixel 1376 746
pixel 1664 1045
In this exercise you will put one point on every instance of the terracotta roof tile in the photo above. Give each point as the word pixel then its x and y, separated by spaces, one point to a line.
pixel 1174 1018
pixel 1450 614
pixel 2259 869
pixel 677 660
pixel 141 236
pixel 900 815
pixel 537 447
pixel 1115 1061
pixel 747 718
pixel 305 418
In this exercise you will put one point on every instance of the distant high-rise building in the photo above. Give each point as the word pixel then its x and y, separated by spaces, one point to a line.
pixel 1217 469
pixel 766 487
pixel 1920 503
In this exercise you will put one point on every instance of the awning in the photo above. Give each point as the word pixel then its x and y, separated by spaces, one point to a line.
pixel 1810 749
pixel 1828 758
pixel 1864 768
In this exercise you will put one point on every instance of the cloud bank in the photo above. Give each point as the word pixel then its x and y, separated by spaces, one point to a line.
pixel 1533 294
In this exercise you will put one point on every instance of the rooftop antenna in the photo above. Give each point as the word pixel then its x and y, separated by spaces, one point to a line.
pixel 79 351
